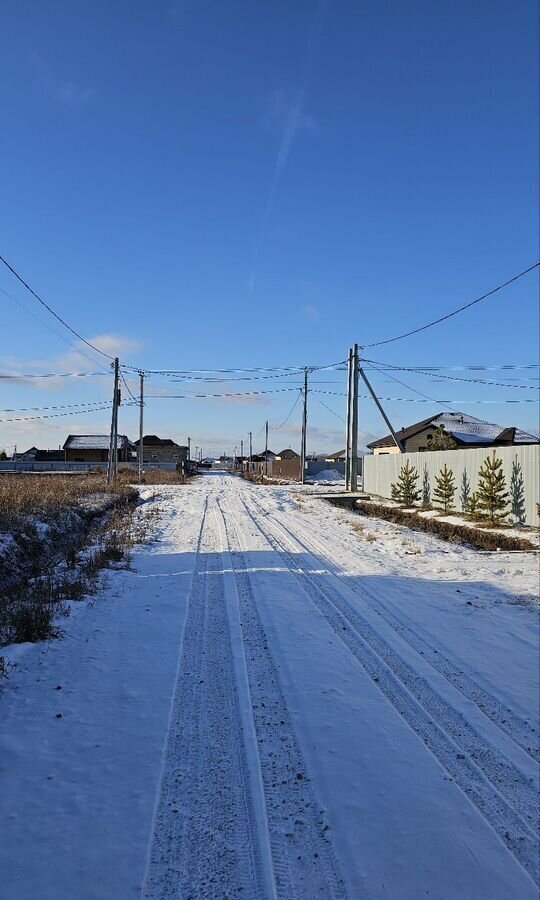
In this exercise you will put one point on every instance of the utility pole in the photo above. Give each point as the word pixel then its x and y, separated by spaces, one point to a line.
pixel 113 442
pixel 395 438
pixel 141 445
pixel 241 449
pixel 189 449
pixel 250 449
pixel 266 448
pixel 348 427
pixel 354 423
pixel 115 454
pixel 304 431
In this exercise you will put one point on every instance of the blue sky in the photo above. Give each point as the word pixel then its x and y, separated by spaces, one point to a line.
pixel 201 185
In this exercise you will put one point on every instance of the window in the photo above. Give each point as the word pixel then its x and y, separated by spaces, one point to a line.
pixel 430 437
pixel 422 449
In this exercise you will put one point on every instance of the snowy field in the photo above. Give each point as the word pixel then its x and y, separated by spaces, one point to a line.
pixel 280 699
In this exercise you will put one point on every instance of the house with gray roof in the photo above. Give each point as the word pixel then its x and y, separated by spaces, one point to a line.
pixel 465 430
pixel 95 448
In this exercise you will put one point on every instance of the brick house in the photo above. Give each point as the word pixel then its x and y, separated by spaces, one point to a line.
pixel 156 449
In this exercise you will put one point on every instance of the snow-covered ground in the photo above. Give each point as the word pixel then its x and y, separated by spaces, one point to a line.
pixel 279 699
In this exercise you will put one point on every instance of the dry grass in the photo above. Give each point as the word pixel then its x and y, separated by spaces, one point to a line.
pixel 45 496
pixel 155 476
pixel 62 530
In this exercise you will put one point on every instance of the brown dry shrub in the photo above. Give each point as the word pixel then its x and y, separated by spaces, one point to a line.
pixel 448 531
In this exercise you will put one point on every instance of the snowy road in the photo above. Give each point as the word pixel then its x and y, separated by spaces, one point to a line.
pixel 274 705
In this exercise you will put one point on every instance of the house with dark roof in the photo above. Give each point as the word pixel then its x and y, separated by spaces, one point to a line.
pixel 156 449
pixel 465 430
pixel 288 454
pixel 50 455
pixel 95 448
pixel 28 454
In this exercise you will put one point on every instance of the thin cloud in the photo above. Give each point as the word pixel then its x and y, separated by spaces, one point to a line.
pixel 286 110
pixel 115 344
pixel 64 91
pixel 283 112
pixel 73 361
pixel 311 312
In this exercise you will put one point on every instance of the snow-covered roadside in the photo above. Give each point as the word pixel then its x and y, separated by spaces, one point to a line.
pixel 83 725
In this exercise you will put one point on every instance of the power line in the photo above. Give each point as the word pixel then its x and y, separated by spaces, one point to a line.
pixel 58 415
pixel 526 387
pixel 61 406
pixel 128 388
pixel 50 328
pixel 24 375
pixel 465 368
pixel 256 369
pixel 424 398
pixel 455 312
pixel 210 396
pixel 51 310
pixel 276 428
pixel 334 413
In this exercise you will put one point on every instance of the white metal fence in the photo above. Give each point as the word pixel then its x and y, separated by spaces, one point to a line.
pixel 381 471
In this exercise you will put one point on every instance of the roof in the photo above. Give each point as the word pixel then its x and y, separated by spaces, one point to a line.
pixel 340 454
pixel 289 454
pixel 464 428
pixel 94 442
pixel 152 440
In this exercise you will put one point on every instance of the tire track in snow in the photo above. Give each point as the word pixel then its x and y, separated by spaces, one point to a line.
pixel 520 731
pixel 444 731
pixel 304 864
pixel 205 841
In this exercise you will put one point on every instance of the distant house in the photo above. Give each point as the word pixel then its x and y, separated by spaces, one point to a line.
pixel 50 456
pixel 156 449
pixel 95 448
pixel 336 457
pixel 262 457
pixel 288 454
pixel 465 430
pixel 28 454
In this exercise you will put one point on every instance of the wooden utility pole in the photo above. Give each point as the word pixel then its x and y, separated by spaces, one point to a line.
pixel 250 449
pixel 141 444
pixel 189 449
pixel 354 423
pixel 304 431
pixel 348 427
pixel 395 438
pixel 113 441
pixel 266 448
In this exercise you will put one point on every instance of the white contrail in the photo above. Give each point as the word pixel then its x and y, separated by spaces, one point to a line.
pixel 289 131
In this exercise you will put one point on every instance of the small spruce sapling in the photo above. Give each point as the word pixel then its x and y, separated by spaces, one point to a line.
pixel 517 493
pixel 472 506
pixel 465 491
pixel 492 493
pixel 445 488
pixel 404 490
pixel 426 490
